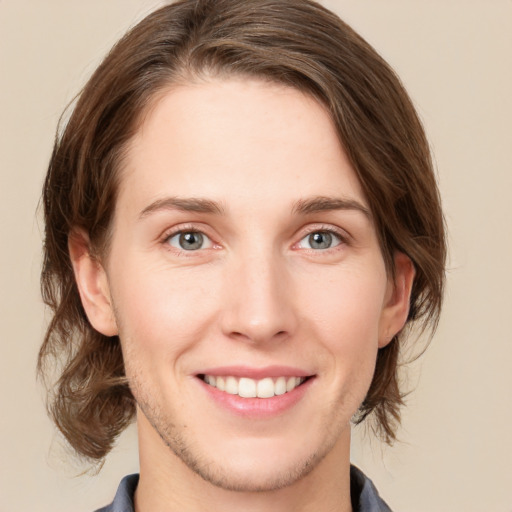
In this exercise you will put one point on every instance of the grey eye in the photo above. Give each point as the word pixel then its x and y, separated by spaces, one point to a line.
pixel 320 240
pixel 190 241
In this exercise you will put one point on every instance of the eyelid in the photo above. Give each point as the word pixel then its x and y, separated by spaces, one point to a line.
pixel 206 240
pixel 342 235
pixel 186 228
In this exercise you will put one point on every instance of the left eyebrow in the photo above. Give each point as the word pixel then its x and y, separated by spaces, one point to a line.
pixel 324 203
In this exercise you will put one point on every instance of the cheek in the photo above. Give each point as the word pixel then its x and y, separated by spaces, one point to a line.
pixel 160 313
pixel 349 304
pixel 346 317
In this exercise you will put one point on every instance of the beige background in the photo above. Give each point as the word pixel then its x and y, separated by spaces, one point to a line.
pixel 455 58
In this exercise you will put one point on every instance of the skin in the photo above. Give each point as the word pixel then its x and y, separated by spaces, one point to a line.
pixel 256 293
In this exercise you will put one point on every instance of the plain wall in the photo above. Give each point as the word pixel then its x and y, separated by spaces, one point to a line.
pixel 454 57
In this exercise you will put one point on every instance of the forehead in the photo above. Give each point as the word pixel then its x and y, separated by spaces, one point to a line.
pixel 239 142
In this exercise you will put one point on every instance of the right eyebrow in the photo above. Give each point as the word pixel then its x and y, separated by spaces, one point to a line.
pixel 184 204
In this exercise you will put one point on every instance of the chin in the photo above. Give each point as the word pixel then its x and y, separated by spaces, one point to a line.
pixel 262 476
pixel 249 465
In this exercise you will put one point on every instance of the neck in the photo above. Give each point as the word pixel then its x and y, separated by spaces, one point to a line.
pixel 166 484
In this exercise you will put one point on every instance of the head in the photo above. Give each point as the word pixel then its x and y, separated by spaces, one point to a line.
pixel 281 45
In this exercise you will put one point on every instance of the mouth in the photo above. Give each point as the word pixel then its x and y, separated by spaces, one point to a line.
pixel 246 387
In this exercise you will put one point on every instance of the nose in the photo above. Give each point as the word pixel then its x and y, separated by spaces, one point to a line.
pixel 258 304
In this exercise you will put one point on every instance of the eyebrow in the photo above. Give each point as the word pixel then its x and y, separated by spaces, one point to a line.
pixel 324 203
pixel 301 207
pixel 194 204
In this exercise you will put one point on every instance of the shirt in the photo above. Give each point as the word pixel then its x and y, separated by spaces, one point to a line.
pixel 364 495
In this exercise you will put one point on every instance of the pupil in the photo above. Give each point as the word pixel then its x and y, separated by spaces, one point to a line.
pixel 191 241
pixel 320 240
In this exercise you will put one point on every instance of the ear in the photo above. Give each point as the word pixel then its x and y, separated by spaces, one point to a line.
pixel 92 283
pixel 397 302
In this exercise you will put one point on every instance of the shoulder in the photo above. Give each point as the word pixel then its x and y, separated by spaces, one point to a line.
pixel 364 495
pixel 123 501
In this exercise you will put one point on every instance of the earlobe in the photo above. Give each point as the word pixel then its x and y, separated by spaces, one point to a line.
pixel 397 305
pixel 92 283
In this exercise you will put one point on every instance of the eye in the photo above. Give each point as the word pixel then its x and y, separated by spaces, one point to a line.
pixel 189 241
pixel 320 240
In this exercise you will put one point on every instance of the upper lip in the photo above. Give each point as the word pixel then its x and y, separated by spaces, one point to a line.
pixel 255 373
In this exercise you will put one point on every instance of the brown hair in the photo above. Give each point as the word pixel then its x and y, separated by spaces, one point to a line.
pixel 294 42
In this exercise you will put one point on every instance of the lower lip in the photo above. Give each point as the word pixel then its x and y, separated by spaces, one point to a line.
pixel 257 407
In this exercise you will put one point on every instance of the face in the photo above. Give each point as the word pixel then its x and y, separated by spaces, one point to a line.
pixel 246 282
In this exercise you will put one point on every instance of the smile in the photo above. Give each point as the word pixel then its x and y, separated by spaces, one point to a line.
pixel 251 388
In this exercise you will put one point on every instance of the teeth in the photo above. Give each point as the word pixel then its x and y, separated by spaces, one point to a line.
pixel 221 383
pixel 265 388
pixel 280 386
pixel 247 388
pixel 251 388
pixel 231 385
pixel 290 383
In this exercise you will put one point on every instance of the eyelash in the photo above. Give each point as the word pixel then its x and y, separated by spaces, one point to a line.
pixel 181 230
pixel 341 237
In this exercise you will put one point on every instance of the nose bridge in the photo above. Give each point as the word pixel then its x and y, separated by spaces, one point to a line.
pixel 259 304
